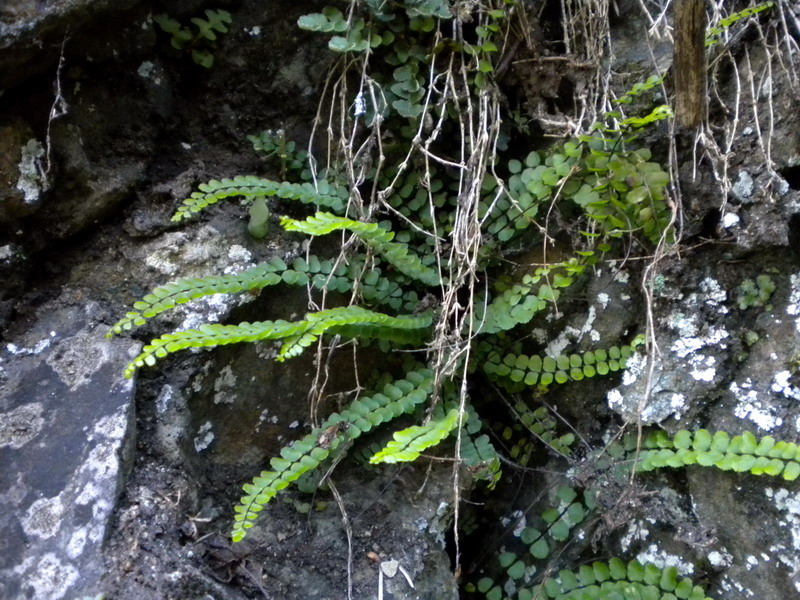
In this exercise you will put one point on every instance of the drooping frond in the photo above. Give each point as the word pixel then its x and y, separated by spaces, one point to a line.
pixel 363 414
pixel 298 335
pixel 347 320
pixel 395 253
pixel 409 443
pixel 265 274
pixel 251 187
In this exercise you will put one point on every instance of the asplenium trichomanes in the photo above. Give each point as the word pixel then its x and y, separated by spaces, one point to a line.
pixel 426 195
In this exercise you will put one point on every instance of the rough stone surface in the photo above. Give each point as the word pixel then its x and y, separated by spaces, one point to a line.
pixel 65 441
pixel 31 33
pixel 136 129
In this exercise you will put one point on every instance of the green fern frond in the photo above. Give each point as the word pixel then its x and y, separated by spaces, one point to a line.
pixel 251 187
pixel 314 271
pixel 742 453
pixel 395 253
pixel 213 335
pixel 397 398
pixel 481 458
pixel 616 579
pixel 541 539
pixel 544 370
pixel 409 443
pixel 298 335
pixel 520 303
pixel 542 425
pixel 265 274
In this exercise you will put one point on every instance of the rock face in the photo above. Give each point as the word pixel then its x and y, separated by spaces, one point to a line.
pixel 99 497
pixel 137 504
pixel 66 435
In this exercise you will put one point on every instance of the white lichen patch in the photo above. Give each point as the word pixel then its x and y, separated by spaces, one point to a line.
pixel 636 365
pixel 622 276
pixel 782 385
pixel 793 306
pixel 37 348
pixel 684 325
pixel 637 532
pixel 789 504
pixel 239 254
pixel 44 517
pixel 145 70
pixel 663 559
pixel 751 407
pixel 570 335
pixel 712 294
pixel 47 577
pixel 685 346
pixel 32 180
pixel 603 299
pixel 196 255
pixel 20 425
pixel 518 519
pixel 165 399
pixel 730 585
pixel 720 558
pixel 111 427
pixel 663 406
pixel 703 368
pixel 204 437
pixel 76 543
pixel 101 462
pixel 614 398
pixel 77 359
pixel 224 386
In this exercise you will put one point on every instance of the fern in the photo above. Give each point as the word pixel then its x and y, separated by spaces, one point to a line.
pixel 520 303
pixel 269 273
pixel 480 457
pixel 742 453
pixel 250 187
pixel 409 443
pixel 553 528
pixel 544 370
pixel 397 254
pixel 615 580
pixel 320 273
pixel 297 335
pixel 306 454
pixel 542 426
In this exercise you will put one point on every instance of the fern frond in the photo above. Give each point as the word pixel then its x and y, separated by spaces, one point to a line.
pixel 213 335
pixel 520 303
pixel 363 414
pixel 544 370
pixel 184 290
pixel 409 443
pixel 251 187
pixel 314 271
pixel 298 335
pixel 742 453
pixel 395 253
pixel 481 458
pixel 616 579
